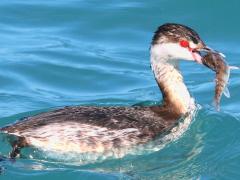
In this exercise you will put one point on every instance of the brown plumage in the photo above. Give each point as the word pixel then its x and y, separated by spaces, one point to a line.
pixel 171 32
pixel 147 121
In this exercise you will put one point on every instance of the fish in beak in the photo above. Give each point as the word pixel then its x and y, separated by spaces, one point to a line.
pixel 216 62
pixel 203 51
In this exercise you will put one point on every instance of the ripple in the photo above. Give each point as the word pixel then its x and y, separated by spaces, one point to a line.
pixel 76 52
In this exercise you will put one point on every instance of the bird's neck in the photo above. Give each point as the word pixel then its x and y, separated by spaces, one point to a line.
pixel 170 81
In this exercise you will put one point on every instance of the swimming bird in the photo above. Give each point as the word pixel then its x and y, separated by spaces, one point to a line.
pixel 115 130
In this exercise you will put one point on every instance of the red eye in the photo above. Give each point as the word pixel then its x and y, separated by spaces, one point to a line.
pixel 184 43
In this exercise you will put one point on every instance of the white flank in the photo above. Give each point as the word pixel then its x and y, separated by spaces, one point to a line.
pixel 76 137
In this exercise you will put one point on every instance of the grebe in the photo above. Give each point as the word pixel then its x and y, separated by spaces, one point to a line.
pixel 86 129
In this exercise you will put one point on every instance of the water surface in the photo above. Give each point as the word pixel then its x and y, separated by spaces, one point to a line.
pixel 76 52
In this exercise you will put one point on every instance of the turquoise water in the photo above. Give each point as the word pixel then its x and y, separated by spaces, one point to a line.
pixel 57 53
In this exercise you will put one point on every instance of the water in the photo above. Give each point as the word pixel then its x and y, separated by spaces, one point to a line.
pixel 57 53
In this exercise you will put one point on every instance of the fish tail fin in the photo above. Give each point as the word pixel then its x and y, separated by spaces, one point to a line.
pixel 226 92
pixel 234 67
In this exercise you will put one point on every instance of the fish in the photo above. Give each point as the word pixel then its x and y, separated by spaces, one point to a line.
pixel 216 62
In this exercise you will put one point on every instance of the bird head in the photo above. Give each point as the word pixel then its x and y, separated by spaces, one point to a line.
pixel 177 42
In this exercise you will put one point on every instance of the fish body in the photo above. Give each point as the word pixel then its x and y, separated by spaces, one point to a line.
pixel 216 62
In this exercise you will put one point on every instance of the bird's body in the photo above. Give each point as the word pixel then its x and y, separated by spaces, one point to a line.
pixel 93 129
pixel 103 129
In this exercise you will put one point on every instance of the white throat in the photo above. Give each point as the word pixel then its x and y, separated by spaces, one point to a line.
pixel 170 80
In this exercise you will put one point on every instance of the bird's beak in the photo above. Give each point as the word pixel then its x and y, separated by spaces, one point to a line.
pixel 204 51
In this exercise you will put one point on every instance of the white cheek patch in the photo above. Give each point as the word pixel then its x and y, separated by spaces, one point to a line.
pixel 192 45
pixel 161 52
